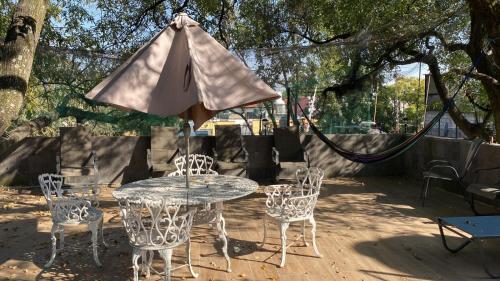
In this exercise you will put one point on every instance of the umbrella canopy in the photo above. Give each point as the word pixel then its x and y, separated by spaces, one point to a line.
pixel 182 70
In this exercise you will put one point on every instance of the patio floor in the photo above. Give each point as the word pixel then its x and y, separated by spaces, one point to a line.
pixel 368 229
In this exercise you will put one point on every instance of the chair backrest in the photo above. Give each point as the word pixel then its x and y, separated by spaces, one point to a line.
pixel 228 142
pixel 51 185
pixel 163 144
pixel 309 180
pixel 67 209
pixel 199 164
pixel 154 223
pixel 287 142
pixel 471 155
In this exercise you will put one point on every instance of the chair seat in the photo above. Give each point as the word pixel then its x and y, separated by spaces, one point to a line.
pixel 434 175
pixel 92 215
pixel 143 244
pixel 487 191
pixel 275 213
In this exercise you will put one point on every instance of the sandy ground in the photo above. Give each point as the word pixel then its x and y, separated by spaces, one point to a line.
pixel 368 229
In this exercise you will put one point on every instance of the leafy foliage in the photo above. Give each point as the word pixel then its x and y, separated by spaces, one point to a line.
pixel 340 46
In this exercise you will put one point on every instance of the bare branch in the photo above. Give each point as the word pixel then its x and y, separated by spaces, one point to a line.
pixel 452 47
pixel 143 14
pixel 243 117
pixel 182 7
pixel 321 42
pixel 478 76
pixel 474 103
pixel 220 24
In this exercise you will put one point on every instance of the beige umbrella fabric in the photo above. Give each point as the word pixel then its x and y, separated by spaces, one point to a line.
pixel 182 70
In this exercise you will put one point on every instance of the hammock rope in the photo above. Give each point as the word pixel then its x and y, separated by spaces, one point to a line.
pixel 398 149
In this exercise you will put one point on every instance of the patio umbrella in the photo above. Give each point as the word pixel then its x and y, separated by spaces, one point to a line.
pixel 182 71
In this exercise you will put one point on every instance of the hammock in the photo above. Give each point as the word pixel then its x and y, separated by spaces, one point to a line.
pixel 396 150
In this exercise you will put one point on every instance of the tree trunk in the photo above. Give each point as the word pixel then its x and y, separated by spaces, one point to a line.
pixel 484 37
pixel 16 57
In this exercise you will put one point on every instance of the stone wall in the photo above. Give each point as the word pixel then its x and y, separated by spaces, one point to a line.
pixel 123 159
pixel 455 151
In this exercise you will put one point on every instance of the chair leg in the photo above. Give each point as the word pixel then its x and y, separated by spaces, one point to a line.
pixel 94 228
pixel 221 225
pixel 265 230
pixel 167 258
pixel 304 233
pixel 136 254
pixel 61 238
pixel 53 237
pixel 189 261
pixel 102 233
pixel 147 260
pixel 425 191
pixel 283 228
pixel 313 233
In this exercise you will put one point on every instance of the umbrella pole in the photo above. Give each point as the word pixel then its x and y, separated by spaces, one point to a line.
pixel 187 133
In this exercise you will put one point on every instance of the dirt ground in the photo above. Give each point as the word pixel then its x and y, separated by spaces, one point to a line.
pixel 368 229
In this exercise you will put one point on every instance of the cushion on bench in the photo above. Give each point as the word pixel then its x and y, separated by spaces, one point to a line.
pixel 483 190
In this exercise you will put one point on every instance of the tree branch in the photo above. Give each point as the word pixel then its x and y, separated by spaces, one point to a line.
pixel 320 42
pixel 143 14
pixel 182 7
pixel 474 103
pixel 244 118
pixel 220 24
pixel 478 76
pixel 451 47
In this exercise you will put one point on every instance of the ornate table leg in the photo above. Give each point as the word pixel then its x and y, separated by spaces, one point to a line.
pixel 94 228
pixel 221 227
pixel 136 254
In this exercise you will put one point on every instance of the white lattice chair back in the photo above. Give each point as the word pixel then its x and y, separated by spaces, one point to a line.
pixel 199 164
pixel 291 203
pixel 309 180
pixel 65 209
pixel 153 224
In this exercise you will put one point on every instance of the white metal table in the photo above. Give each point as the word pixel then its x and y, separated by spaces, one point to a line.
pixel 204 189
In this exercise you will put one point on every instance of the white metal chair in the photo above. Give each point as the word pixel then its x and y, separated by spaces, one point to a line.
pixel 198 165
pixel 202 165
pixel 70 208
pixel 155 225
pixel 288 203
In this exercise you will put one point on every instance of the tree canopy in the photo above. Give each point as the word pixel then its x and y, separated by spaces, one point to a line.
pixel 340 47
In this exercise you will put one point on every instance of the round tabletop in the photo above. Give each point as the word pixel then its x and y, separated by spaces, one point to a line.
pixel 203 189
